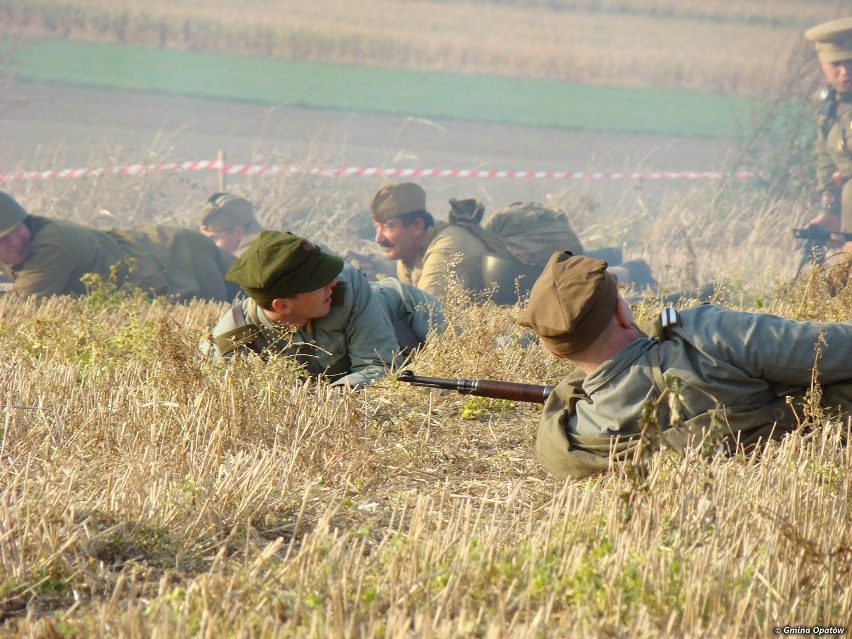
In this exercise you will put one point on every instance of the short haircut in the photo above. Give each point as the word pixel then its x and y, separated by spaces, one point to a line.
pixel 409 218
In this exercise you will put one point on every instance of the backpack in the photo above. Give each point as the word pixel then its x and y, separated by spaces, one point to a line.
pixel 520 239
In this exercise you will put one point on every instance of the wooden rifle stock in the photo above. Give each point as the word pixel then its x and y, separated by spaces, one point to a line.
pixel 513 391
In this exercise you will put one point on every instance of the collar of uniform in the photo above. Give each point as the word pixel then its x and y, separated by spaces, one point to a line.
pixel 429 235
pixel 616 364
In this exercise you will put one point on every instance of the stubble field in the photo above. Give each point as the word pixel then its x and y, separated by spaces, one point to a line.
pixel 145 492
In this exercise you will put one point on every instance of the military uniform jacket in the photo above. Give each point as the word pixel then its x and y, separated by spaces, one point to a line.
pixel 160 260
pixel 832 151
pixel 443 244
pixel 354 344
pixel 735 368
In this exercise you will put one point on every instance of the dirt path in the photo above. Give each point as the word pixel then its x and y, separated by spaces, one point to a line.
pixel 47 126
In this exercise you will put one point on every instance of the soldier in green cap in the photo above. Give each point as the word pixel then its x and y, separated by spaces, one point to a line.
pixel 736 370
pixel 833 102
pixel 306 303
pixel 44 256
pixel 423 248
pixel 229 221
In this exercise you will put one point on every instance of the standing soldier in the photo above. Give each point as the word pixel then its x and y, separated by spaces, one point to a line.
pixel 834 108
pixel 229 221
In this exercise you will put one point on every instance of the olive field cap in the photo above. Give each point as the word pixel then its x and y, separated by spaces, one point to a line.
pixel 280 264
pixel 224 212
pixel 11 214
pixel 571 302
pixel 395 199
pixel 833 40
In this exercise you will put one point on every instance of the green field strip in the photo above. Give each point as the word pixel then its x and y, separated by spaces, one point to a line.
pixel 373 90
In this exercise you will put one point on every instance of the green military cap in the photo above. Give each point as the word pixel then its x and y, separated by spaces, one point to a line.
pixel 224 212
pixel 571 302
pixel 280 264
pixel 395 199
pixel 11 214
pixel 833 40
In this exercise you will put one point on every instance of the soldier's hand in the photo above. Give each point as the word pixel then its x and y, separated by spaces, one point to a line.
pixel 827 222
pixel 830 223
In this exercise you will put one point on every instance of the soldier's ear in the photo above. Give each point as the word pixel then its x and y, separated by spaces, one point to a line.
pixel 281 305
pixel 623 314
pixel 419 225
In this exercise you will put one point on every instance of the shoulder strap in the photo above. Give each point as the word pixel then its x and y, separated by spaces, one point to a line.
pixel 243 334
pixel 827 109
pixel 668 317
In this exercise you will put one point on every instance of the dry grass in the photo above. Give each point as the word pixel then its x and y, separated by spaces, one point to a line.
pixel 714 46
pixel 145 493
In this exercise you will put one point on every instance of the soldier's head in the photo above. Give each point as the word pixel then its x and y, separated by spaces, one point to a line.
pixel 401 220
pixel 225 219
pixel 289 278
pixel 833 41
pixel 575 304
pixel 15 236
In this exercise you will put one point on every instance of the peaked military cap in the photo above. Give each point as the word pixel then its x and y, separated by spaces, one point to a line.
pixel 833 39
pixel 11 214
pixel 225 211
pixel 280 264
pixel 395 199
pixel 571 302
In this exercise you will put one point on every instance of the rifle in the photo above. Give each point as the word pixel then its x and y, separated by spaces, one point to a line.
pixel 814 246
pixel 513 391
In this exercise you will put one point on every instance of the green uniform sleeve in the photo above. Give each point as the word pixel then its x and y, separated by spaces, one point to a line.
pixel 371 341
pixel 420 311
pixel 825 168
pixel 54 265
pixel 750 342
pixel 553 448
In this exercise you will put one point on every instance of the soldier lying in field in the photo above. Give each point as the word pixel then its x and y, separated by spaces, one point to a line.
pixel 307 304
pixel 44 256
pixel 741 376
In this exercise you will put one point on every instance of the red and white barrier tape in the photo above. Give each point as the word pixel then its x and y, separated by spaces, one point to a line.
pixel 354 171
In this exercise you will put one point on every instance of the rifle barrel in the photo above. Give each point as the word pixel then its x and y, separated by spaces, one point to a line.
pixel 816 234
pixel 512 391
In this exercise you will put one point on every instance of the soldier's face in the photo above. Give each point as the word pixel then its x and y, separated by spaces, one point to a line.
pixel 839 75
pixel 227 240
pixel 16 245
pixel 313 304
pixel 399 241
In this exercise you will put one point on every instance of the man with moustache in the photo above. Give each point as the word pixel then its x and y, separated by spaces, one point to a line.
pixel 741 378
pixel 422 247
pixel 833 102
pixel 425 250
pixel 307 304
pixel 45 256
